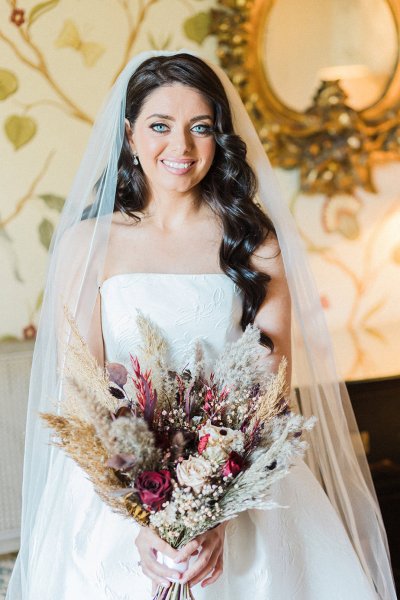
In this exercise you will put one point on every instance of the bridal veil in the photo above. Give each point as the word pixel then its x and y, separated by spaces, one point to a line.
pixel 77 255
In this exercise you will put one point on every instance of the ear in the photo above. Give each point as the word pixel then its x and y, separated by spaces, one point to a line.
pixel 129 134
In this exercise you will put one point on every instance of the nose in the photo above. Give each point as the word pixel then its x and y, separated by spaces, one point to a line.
pixel 181 141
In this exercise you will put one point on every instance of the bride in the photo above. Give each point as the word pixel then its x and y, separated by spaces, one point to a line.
pixel 168 215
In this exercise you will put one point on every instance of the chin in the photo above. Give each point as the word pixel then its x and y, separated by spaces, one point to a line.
pixel 180 187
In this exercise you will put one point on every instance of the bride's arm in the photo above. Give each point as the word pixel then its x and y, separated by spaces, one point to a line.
pixel 73 286
pixel 274 315
pixel 95 339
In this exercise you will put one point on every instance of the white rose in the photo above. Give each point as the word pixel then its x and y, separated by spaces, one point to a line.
pixel 227 439
pixel 215 453
pixel 194 472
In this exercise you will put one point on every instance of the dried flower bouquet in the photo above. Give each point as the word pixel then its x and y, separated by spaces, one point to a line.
pixel 176 450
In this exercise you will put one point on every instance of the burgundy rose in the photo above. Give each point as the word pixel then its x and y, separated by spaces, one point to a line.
pixel 154 488
pixel 233 465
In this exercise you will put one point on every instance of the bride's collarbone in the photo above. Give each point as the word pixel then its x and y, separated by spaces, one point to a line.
pixel 148 238
pixel 146 253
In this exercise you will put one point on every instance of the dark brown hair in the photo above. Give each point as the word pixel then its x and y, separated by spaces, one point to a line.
pixel 229 186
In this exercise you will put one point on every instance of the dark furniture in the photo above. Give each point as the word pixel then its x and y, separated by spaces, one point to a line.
pixel 376 404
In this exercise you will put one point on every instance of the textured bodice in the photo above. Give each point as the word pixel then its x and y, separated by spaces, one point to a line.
pixel 187 307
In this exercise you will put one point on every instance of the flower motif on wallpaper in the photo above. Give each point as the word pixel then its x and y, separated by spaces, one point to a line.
pixel 340 215
pixel 18 17
pixel 69 37
pixel 29 332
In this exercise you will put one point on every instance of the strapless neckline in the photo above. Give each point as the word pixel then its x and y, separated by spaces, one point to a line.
pixel 185 306
pixel 149 274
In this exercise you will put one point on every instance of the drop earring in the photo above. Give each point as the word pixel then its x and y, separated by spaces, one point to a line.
pixel 135 160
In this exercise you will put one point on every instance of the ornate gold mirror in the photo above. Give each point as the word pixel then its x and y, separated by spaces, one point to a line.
pixel 321 81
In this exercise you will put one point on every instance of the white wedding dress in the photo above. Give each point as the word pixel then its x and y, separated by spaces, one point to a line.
pixel 297 552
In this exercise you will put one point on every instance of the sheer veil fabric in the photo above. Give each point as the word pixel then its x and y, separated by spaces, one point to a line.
pixel 77 255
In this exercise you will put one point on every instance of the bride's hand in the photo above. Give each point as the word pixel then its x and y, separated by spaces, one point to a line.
pixel 209 560
pixel 148 542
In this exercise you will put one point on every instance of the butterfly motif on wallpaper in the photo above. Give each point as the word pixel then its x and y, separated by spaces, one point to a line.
pixel 70 37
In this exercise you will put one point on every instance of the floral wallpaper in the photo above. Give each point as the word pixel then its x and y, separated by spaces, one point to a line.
pixel 58 58
pixel 353 245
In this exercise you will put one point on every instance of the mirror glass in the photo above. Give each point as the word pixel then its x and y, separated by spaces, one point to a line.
pixel 305 41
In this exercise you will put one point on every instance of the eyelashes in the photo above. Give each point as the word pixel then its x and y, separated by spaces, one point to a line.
pixel 206 129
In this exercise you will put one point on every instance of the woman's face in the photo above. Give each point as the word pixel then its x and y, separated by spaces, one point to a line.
pixel 173 138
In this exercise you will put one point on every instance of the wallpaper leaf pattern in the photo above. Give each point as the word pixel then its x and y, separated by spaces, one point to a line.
pixel 198 27
pixel 39 10
pixel 8 83
pixel 27 32
pixel 46 229
pixel 20 130
pixel 53 201
pixel 354 257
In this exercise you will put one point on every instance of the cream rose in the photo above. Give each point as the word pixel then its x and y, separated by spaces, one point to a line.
pixel 194 472
pixel 215 453
pixel 222 441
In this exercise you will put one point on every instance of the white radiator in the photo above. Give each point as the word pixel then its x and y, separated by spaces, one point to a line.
pixel 15 366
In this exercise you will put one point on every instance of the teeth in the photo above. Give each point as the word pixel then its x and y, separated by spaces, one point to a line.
pixel 176 165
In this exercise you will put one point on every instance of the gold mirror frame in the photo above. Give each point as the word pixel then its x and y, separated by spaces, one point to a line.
pixel 333 146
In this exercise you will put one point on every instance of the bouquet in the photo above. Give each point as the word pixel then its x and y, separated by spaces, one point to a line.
pixel 177 450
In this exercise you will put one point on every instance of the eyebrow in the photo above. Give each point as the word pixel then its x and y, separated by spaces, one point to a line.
pixel 169 118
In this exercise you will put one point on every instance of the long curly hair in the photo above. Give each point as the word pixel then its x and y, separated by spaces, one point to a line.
pixel 229 186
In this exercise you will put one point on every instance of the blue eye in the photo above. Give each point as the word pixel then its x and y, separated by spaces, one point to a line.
pixel 200 129
pixel 204 129
pixel 158 125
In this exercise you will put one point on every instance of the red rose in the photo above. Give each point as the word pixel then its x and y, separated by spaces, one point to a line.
pixel 154 488
pixel 233 465
pixel 202 445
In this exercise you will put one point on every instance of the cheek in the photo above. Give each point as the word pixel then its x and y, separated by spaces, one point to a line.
pixel 208 150
pixel 149 146
pixel 152 147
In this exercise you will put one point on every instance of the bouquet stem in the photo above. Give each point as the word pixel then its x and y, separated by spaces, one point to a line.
pixel 176 591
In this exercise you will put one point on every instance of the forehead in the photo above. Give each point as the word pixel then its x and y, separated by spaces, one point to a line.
pixel 177 98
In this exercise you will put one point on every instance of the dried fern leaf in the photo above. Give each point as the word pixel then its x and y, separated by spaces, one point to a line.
pixel 154 351
pixel 154 343
pixel 79 440
pixel 242 362
pixel 270 403
pixel 84 371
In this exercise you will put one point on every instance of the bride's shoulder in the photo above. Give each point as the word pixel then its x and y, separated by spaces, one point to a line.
pixel 75 239
pixel 85 229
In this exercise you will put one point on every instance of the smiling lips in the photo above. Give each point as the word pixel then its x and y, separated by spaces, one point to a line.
pixel 178 167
